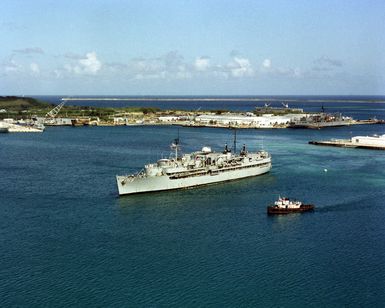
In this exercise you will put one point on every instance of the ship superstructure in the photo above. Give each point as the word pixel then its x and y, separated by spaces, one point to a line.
pixel 322 120
pixel 194 169
pixel 287 206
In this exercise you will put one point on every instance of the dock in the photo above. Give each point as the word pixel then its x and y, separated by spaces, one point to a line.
pixel 364 142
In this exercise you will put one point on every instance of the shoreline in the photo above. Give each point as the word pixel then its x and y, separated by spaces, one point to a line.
pixel 260 118
pixel 226 99
pixel 199 125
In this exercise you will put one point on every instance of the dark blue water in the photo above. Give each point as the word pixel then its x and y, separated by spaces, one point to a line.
pixel 67 240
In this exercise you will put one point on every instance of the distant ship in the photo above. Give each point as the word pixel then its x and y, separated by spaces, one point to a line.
pixel 6 127
pixel 195 169
pixel 321 121
pixel 266 109
pixel 287 206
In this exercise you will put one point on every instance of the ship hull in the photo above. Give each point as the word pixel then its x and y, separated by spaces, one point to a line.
pixel 274 210
pixel 164 182
pixel 319 125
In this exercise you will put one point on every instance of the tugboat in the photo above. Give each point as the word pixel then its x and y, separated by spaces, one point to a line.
pixel 287 206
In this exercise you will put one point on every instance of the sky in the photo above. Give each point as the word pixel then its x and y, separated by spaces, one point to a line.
pixel 192 47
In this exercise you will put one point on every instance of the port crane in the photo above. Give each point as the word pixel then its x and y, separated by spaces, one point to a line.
pixel 49 117
pixel 53 113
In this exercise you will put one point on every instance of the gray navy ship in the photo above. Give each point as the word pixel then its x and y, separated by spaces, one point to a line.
pixel 195 169
pixel 322 120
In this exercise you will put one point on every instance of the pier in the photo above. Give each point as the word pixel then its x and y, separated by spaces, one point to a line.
pixel 364 142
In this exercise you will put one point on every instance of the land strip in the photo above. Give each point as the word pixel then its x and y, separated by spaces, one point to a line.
pixel 23 108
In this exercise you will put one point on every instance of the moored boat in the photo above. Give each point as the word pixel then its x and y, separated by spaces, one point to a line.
pixel 287 206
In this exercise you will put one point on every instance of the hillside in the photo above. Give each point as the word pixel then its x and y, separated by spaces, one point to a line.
pixel 15 103
pixel 25 107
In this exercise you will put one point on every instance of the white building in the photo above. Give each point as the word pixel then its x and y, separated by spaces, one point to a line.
pixel 168 118
pixel 265 121
pixel 56 121
pixel 372 140
pixel 120 120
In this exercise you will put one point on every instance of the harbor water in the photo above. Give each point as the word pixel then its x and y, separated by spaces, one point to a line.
pixel 67 239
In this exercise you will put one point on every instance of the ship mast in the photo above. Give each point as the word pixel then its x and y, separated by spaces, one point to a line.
pixel 235 141
pixel 176 142
pixel 175 146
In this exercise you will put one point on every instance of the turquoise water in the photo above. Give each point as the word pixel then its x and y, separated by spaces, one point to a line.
pixel 67 239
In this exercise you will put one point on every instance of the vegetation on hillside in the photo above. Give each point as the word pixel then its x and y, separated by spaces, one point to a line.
pixel 21 103
pixel 24 107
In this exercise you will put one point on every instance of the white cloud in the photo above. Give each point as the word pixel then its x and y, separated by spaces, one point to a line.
pixel 89 64
pixel 240 67
pixel 58 73
pixel 202 63
pixel 29 50
pixel 297 72
pixel 325 66
pixel 266 63
pixel 173 66
pixel 168 66
pixel 11 66
pixel 150 67
pixel 14 67
pixel 291 73
pixel 183 72
pixel 35 68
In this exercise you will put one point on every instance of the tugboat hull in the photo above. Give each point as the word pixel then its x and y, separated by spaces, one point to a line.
pixel 275 210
